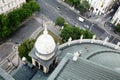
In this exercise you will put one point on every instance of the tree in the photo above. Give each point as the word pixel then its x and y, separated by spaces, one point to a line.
pixel 4 30
pixel 70 2
pixel 81 5
pixel 13 20
pixel 85 5
pixel 117 28
pixel 60 21
pixel 66 33
pixel 76 2
pixel 74 33
pixel 10 22
pixel 24 13
pixel 28 0
pixel 32 5
pixel 87 34
pixel 25 48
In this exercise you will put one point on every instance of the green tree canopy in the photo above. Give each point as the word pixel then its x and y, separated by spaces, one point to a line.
pixel 117 28
pixel 74 33
pixel 4 30
pixel 10 22
pixel 81 5
pixel 70 2
pixel 25 48
pixel 32 5
pixel 13 20
pixel 87 34
pixel 24 13
pixel 60 21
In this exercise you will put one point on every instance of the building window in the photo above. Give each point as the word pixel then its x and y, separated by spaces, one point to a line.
pixel 1 8
pixel 41 67
pixel 36 63
pixel 8 5
pixel 3 1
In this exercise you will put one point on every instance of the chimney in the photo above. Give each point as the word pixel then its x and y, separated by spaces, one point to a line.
pixel 76 55
pixel 24 60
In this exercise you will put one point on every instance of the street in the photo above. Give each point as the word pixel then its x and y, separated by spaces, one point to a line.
pixel 49 9
pixel 25 31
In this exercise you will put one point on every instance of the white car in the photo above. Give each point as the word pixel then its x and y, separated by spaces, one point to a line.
pixel 80 19
pixel 86 26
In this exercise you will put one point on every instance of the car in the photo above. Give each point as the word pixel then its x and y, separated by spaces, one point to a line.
pixel 80 19
pixel 86 26
pixel 58 8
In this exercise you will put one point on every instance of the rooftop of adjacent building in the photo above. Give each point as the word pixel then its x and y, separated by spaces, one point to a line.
pixel 29 72
pixel 81 70
pixel 4 75
pixel 97 53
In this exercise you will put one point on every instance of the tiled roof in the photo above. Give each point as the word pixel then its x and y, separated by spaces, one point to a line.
pixel 28 72
pixel 82 70
pixel 24 72
pixel 5 76
pixel 43 62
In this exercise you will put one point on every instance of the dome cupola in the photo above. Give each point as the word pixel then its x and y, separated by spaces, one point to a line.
pixel 45 46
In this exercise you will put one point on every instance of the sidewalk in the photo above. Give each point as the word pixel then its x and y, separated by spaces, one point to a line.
pixel 93 19
pixel 99 20
pixel 43 20
pixel 110 29
pixel 10 60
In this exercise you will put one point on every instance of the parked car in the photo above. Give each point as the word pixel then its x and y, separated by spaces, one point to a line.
pixel 80 19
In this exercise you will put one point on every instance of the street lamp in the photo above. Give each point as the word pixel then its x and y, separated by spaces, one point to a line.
pixel 42 21
pixel 91 27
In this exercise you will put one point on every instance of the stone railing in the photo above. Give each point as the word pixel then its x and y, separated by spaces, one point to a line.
pixel 7 63
pixel 92 41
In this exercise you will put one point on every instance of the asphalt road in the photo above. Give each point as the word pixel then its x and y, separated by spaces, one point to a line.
pixel 25 31
pixel 50 9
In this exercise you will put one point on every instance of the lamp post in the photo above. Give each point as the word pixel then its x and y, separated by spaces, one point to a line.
pixel 91 27
pixel 42 21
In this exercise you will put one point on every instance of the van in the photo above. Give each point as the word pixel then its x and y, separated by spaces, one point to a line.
pixel 80 19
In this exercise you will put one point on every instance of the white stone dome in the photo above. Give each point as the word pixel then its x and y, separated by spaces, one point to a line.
pixel 45 44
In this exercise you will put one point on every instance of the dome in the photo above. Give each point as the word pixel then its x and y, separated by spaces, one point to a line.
pixel 45 44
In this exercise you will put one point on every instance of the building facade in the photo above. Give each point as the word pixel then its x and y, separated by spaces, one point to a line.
pixel 8 5
pixel 82 59
pixel 116 17
pixel 44 55
pixel 100 6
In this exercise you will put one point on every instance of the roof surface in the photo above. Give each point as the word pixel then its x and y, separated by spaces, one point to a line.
pixel 5 76
pixel 28 72
pixel 24 72
pixel 99 60
pixel 45 43
pixel 98 53
pixel 82 70
pixel 46 63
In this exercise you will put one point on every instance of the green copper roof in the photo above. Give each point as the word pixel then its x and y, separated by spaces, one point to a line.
pixel 98 53
pixel 5 76
pixel 24 72
pixel 82 70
